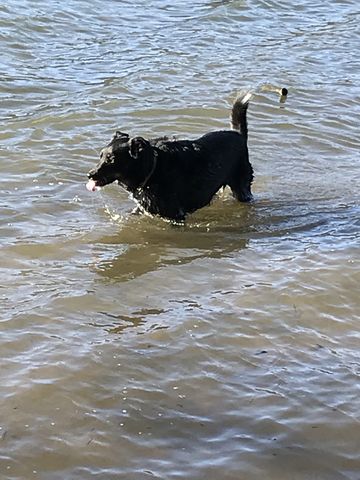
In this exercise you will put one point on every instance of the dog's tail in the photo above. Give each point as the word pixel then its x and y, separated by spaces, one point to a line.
pixel 238 113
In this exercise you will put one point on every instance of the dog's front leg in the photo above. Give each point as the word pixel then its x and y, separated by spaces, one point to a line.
pixel 137 211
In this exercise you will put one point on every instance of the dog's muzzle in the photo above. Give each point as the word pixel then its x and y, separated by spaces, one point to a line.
pixel 92 185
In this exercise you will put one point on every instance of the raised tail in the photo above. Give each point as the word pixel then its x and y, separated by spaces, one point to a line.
pixel 238 113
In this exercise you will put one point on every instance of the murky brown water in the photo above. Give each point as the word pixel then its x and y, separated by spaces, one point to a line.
pixel 227 349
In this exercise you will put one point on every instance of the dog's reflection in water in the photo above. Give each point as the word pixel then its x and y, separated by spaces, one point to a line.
pixel 143 244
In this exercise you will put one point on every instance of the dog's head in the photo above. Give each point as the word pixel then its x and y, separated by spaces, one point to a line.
pixel 127 160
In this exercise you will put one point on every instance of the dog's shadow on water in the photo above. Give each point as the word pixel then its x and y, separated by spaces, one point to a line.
pixel 143 244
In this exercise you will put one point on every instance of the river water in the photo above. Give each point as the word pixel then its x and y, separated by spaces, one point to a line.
pixel 225 349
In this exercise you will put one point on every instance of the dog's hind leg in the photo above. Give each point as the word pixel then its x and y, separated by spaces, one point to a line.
pixel 240 182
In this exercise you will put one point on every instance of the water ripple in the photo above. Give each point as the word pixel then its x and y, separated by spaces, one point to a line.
pixel 224 348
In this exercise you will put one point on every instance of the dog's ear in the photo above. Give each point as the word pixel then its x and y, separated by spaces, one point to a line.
pixel 137 146
pixel 120 136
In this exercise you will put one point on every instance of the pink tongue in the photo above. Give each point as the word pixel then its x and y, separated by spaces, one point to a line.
pixel 91 186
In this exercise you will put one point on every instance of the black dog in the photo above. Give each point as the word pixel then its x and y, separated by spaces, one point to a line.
pixel 172 178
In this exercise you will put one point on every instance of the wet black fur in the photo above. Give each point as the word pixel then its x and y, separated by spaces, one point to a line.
pixel 173 178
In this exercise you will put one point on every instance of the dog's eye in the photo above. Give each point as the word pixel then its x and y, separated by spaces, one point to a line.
pixel 109 158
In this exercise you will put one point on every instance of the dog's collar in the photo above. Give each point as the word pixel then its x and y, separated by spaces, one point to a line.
pixel 143 184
